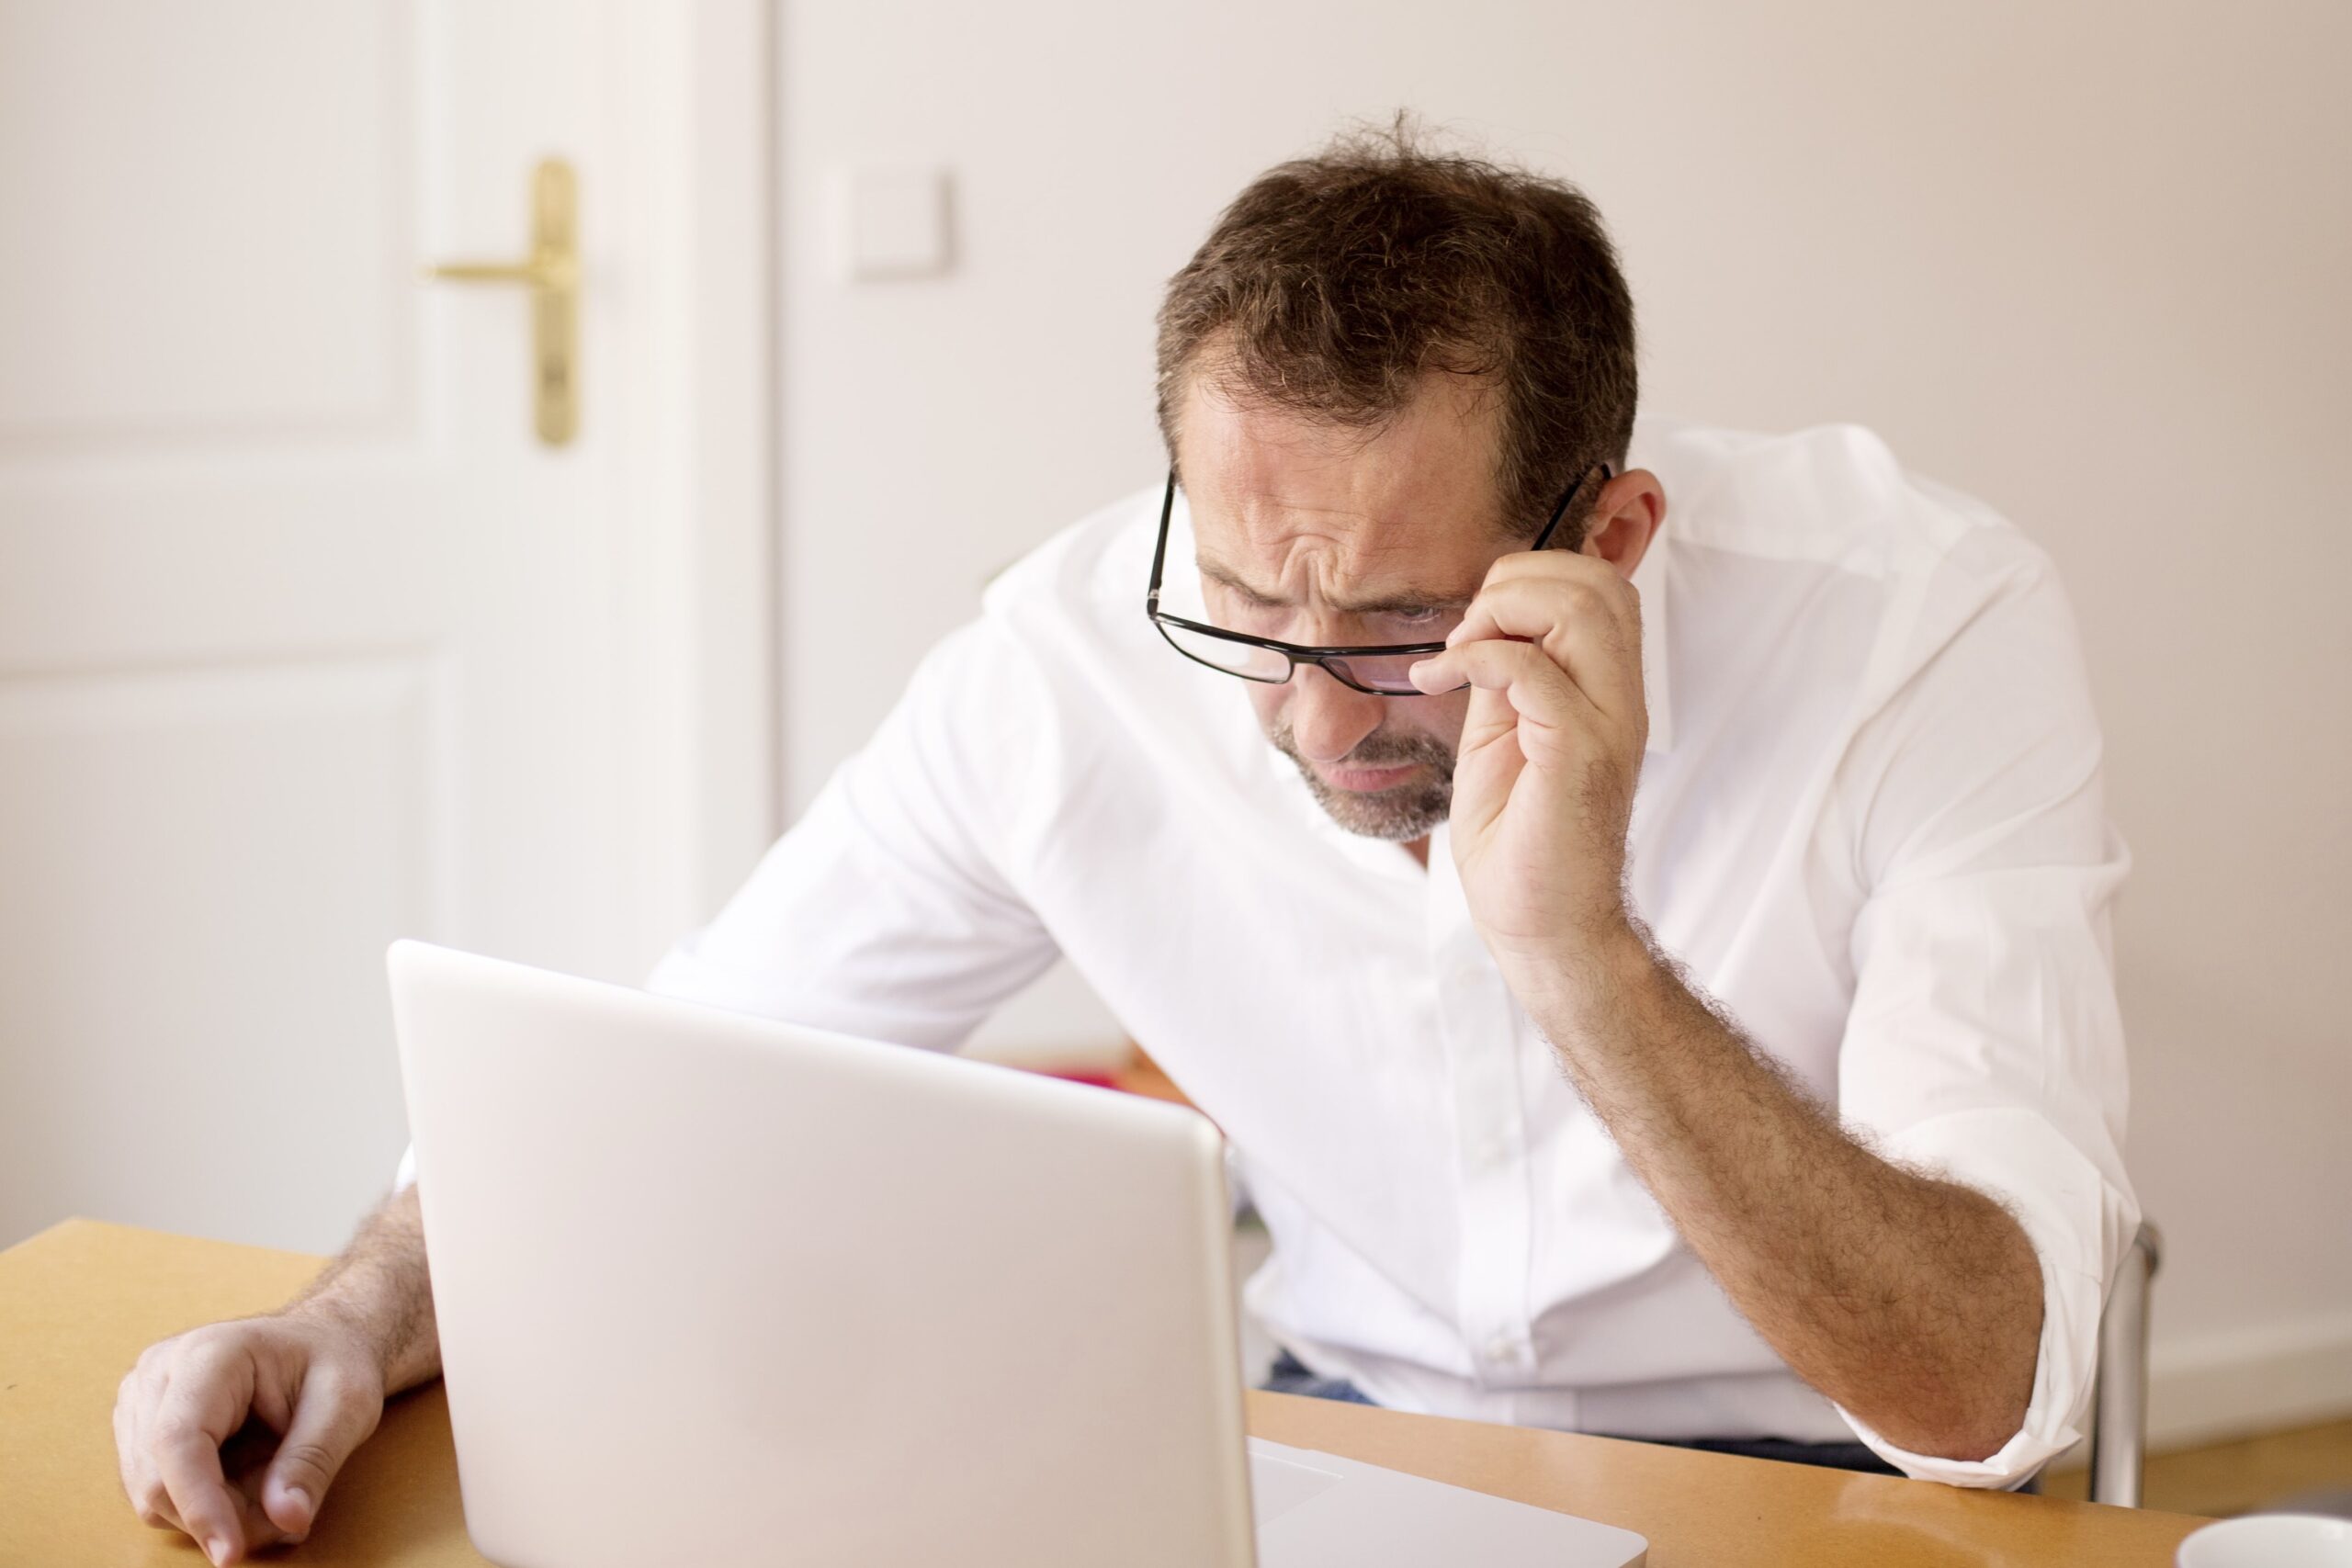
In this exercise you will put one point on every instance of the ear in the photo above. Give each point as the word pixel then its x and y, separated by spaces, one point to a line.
pixel 1626 519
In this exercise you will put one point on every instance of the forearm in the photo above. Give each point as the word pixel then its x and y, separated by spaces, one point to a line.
pixel 1914 1303
pixel 381 1288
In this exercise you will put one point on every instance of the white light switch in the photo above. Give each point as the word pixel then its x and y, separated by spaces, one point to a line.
pixel 889 221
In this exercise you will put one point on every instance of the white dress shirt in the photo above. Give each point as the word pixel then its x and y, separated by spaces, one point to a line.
pixel 1870 823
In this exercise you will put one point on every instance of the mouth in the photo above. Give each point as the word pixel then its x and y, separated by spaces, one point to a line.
pixel 1366 780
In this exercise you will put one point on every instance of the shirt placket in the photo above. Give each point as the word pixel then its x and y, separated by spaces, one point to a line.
pixel 1478 1020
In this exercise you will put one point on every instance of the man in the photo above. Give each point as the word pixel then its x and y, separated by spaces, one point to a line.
pixel 1656 981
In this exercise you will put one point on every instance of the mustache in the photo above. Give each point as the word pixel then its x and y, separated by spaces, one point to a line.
pixel 1378 749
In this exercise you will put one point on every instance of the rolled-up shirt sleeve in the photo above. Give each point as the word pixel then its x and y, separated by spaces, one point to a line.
pixel 1984 1044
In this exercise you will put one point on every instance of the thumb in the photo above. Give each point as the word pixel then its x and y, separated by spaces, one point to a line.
pixel 330 1419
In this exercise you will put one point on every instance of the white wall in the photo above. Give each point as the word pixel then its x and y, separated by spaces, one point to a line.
pixel 2088 261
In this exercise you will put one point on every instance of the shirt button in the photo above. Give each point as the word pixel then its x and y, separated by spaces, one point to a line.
pixel 1502 1349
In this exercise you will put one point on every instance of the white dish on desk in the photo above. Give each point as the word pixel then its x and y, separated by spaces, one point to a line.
pixel 2271 1540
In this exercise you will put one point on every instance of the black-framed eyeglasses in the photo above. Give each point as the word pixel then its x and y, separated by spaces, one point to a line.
pixel 1381 671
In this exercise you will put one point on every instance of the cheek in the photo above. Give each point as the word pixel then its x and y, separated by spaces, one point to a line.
pixel 1437 717
pixel 1267 701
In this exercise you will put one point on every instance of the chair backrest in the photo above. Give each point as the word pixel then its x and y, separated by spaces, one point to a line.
pixel 2120 1390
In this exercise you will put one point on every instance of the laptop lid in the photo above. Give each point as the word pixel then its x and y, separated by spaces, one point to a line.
pixel 716 1289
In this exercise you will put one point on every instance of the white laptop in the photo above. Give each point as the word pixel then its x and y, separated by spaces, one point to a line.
pixel 717 1290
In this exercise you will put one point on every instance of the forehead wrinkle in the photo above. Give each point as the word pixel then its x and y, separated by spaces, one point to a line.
pixel 1298 512
pixel 1379 602
pixel 1340 568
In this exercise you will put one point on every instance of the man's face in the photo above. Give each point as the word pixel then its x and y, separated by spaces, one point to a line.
pixel 1313 533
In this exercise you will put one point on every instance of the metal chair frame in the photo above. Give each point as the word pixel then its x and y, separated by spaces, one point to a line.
pixel 2119 1389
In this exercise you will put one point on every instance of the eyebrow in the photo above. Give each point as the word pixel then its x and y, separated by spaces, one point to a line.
pixel 1377 604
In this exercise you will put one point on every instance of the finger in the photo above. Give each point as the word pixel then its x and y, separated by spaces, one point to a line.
pixel 1571 564
pixel 199 1499
pixel 260 1529
pixel 245 1460
pixel 1600 613
pixel 331 1420
pixel 139 1481
pixel 1616 595
pixel 1592 589
pixel 207 1400
pixel 1546 706
pixel 1568 565
pixel 1579 624
pixel 124 1468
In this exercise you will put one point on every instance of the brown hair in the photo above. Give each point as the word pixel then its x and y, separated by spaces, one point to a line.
pixel 1335 283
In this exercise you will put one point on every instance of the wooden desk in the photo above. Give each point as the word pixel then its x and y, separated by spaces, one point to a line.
pixel 80 1301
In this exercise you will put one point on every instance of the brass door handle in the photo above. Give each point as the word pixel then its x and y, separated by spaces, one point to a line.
pixel 551 272
pixel 539 272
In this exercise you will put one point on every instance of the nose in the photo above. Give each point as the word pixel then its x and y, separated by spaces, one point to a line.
pixel 1327 719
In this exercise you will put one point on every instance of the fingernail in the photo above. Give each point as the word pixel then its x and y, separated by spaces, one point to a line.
pixel 217 1549
pixel 301 1499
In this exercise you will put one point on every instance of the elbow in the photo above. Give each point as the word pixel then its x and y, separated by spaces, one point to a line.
pixel 1967 1407
pixel 1972 1438
pixel 1967 1410
pixel 1984 1391
pixel 1968 1431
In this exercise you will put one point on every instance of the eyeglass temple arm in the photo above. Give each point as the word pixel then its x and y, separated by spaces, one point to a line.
pixel 1160 550
pixel 1608 473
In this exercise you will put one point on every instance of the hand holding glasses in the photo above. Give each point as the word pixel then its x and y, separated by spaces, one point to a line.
pixel 1381 670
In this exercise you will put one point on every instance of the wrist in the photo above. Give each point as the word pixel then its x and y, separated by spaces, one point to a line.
pixel 334 1311
pixel 372 1314
pixel 1566 986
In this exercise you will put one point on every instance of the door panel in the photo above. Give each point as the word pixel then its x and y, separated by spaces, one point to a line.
pixel 161 1015
pixel 210 220
pixel 306 641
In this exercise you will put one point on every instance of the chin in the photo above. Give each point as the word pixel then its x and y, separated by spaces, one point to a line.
pixel 1399 816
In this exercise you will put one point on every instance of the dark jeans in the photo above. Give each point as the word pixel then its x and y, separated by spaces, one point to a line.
pixel 1290 1376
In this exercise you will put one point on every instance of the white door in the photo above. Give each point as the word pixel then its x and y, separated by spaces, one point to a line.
pixel 307 639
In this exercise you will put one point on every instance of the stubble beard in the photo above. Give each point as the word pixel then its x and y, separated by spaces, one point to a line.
pixel 1406 812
